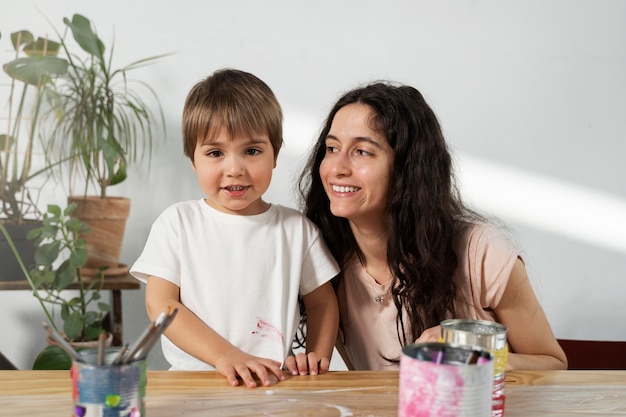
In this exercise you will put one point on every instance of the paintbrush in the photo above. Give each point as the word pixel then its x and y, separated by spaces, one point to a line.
pixel 101 342
pixel 120 355
pixel 54 335
pixel 149 336
pixel 140 342
pixel 148 343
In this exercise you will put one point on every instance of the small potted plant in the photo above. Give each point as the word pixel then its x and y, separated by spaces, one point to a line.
pixel 71 302
pixel 101 125
pixel 30 72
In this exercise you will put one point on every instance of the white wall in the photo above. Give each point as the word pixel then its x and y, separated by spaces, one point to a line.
pixel 531 95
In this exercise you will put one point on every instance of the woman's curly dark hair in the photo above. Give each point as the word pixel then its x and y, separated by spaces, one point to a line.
pixel 425 214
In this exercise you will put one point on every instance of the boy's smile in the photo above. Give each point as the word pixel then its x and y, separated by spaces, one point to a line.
pixel 235 172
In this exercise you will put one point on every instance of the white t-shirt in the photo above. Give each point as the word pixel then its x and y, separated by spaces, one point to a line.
pixel 241 275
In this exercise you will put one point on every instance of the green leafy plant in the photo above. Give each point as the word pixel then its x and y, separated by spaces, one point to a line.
pixel 31 71
pixel 59 257
pixel 58 260
pixel 101 124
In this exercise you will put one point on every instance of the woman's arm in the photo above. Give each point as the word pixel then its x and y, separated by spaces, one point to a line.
pixel 531 341
pixel 341 349
pixel 532 344
pixel 193 336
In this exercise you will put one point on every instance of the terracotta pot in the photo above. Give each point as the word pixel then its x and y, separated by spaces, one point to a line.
pixel 106 218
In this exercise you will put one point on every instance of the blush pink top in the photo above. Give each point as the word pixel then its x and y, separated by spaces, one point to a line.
pixel 486 258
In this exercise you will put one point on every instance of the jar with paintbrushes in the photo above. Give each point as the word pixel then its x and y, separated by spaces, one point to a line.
pixel 111 381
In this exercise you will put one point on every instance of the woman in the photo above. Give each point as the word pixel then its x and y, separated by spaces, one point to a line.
pixel 380 185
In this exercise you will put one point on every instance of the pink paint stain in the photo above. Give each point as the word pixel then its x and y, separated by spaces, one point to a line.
pixel 428 390
pixel 264 329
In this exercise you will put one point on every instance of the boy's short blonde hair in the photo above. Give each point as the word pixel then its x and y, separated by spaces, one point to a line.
pixel 234 100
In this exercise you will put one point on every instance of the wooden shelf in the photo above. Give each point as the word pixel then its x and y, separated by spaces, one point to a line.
pixel 121 282
pixel 115 284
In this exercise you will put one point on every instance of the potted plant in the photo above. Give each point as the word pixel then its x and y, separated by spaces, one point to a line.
pixel 70 301
pixel 101 125
pixel 30 72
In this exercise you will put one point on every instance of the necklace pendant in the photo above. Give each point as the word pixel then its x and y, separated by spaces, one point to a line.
pixel 379 299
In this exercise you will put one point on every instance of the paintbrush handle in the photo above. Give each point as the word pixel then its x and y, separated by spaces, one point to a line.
pixel 140 342
pixel 120 356
pixel 63 344
pixel 144 350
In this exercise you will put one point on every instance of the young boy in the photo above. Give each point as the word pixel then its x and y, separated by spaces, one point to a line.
pixel 232 263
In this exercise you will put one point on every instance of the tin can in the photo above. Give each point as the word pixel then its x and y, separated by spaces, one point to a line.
pixel 107 390
pixel 488 335
pixel 442 379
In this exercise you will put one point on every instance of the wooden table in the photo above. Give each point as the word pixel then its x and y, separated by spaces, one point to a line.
pixel 337 394
pixel 113 283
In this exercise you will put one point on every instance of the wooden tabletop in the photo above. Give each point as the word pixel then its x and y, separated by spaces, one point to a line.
pixel 338 394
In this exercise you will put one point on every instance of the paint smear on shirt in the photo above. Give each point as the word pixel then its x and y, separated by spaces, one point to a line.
pixel 264 329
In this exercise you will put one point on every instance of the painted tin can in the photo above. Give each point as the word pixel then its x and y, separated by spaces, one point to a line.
pixel 442 379
pixel 107 390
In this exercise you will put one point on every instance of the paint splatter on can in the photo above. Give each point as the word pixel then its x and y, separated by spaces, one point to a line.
pixel 443 379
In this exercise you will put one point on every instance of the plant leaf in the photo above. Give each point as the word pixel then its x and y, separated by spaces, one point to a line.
pixel 90 317
pixel 55 210
pixel 30 70
pixel 70 208
pixel 66 274
pixel 42 277
pixel 52 357
pixel 78 258
pixel 22 37
pixel 92 332
pixel 85 36
pixel 47 253
pixel 42 47
pixel 34 233
pixel 73 326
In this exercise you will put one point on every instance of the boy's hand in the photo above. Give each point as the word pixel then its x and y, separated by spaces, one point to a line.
pixel 303 364
pixel 242 365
